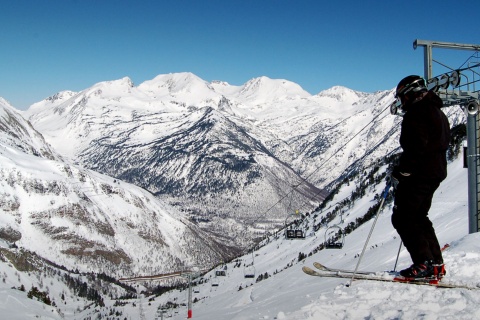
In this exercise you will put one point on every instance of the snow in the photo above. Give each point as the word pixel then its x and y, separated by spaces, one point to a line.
pixel 287 293
pixel 165 100
pixel 290 294
pixel 138 224
pixel 14 306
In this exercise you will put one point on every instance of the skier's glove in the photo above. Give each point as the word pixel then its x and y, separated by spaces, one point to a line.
pixel 396 177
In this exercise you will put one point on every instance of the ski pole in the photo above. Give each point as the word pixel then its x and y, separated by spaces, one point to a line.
pixel 398 254
pixel 384 196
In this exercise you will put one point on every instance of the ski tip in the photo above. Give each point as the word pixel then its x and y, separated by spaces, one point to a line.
pixel 308 270
pixel 320 266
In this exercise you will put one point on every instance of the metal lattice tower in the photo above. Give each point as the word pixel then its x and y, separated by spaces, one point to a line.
pixel 463 83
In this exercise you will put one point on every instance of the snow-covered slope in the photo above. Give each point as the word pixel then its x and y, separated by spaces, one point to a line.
pixel 222 153
pixel 337 126
pixel 287 293
pixel 85 220
pixel 16 132
pixel 284 291
pixel 185 142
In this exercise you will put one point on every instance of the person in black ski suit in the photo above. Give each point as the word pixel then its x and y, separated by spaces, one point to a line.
pixel 424 138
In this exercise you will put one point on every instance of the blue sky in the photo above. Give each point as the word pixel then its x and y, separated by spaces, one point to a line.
pixel 53 45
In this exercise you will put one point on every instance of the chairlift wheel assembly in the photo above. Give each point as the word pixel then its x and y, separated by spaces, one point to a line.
pixel 446 81
pixel 455 79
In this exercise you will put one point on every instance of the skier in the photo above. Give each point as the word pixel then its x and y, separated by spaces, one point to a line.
pixel 424 138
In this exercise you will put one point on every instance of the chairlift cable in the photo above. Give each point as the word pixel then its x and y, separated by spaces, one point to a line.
pixel 390 132
pixel 459 70
pixel 294 187
pixel 363 158
pixel 345 144
pixel 474 54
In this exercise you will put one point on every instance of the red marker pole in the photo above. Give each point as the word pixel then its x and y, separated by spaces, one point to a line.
pixel 189 297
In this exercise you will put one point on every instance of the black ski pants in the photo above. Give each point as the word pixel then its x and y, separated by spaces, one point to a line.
pixel 413 200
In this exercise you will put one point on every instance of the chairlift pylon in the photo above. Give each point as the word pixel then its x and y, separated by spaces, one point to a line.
pixel 334 243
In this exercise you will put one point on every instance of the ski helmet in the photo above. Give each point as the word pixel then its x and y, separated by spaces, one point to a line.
pixel 407 87
pixel 410 86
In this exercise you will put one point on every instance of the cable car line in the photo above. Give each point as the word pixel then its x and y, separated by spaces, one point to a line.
pixel 294 187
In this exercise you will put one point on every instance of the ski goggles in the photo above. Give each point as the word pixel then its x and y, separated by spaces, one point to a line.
pixel 396 108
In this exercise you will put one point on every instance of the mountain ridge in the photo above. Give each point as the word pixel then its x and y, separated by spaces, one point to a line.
pixel 85 220
pixel 268 134
pixel 233 164
pixel 55 208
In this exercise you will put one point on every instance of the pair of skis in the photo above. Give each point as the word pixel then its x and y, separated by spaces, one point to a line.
pixel 326 272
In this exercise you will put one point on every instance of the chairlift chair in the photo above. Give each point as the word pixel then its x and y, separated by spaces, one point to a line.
pixel 162 313
pixel 295 232
pixel 299 234
pixel 290 234
pixel 334 243
pixel 249 271
pixel 220 273
pixel 221 270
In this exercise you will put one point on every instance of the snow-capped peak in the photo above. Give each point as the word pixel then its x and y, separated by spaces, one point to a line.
pixel 342 94
pixel 183 82
pixel 114 88
pixel 51 101
pixel 220 83
pixel 61 96
pixel 263 87
pixel 125 81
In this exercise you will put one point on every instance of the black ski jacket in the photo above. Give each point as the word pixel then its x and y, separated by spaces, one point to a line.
pixel 424 139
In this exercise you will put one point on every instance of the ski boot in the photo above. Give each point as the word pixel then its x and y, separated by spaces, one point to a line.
pixel 439 270
pixel 416 271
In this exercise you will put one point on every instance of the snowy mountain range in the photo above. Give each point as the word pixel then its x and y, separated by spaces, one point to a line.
pixel 178 172
pixel 85 220
pixel 234 160
pixel 222 154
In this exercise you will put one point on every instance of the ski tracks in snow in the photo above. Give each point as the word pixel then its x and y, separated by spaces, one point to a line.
pixel 387 301
pixel 246 298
